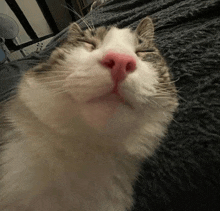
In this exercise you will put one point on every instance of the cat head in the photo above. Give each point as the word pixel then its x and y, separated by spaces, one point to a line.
pixel 107 78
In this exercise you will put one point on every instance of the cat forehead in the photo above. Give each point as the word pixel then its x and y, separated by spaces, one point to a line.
pixel 113 37
pixel 112 34
pixel 120 36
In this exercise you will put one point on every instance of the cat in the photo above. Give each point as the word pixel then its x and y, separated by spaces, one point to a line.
pixel 80 124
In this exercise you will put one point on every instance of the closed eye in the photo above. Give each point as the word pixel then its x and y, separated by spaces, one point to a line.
pixel 145 51
pixel 142 53
pixel 88 44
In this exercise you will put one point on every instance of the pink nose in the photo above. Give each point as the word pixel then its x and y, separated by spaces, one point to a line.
pixel 119 64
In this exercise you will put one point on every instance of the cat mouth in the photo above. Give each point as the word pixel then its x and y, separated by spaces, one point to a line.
pixel 111 97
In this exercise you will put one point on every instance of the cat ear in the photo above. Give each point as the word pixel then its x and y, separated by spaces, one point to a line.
pixel 145 28
pixel 74 29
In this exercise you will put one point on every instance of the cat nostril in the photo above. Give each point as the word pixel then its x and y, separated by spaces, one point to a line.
pixel 110 64
pixel 130 67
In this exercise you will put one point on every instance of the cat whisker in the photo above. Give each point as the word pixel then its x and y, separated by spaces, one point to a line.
pixel 63 75
pixel 54 82
pixel 160 97
pixel 173 81
pixel 9 90
pixel 76 13
pixel 59 92
pixel 13 76
pixel 6 99
pixel 179 89
pixel 92 20
pixel 170 82
pixel 164 89
pixel 57 78
pixel 181 98
pixel 167 93
pixel 164 93
pixel 63 71
pixel 157 104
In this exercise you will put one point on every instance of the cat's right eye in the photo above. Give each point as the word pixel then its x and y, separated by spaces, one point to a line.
pixel 146 51
pixel 142 53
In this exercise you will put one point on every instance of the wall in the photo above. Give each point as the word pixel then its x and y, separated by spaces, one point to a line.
pixel 60 13
pixel 34 16
pixel 23 37
pixel 89 1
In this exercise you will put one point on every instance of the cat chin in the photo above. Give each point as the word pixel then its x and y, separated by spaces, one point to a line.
pixel 100 111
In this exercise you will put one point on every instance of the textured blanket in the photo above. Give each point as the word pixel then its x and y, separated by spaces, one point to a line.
pixel 184 173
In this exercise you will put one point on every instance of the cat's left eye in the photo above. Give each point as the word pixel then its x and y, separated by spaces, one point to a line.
pixel 88 44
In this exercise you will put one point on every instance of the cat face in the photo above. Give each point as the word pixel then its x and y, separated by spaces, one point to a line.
pixel 108 78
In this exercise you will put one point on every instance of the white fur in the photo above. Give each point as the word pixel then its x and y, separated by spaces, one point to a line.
pixel 78 152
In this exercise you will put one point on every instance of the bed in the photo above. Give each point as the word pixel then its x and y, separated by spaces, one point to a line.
pixel 184 173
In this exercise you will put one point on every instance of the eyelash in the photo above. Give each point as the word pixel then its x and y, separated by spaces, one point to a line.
pixel 88 42
pixel 145 51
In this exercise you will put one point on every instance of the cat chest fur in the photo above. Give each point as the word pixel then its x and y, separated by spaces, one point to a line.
pixel 50 172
